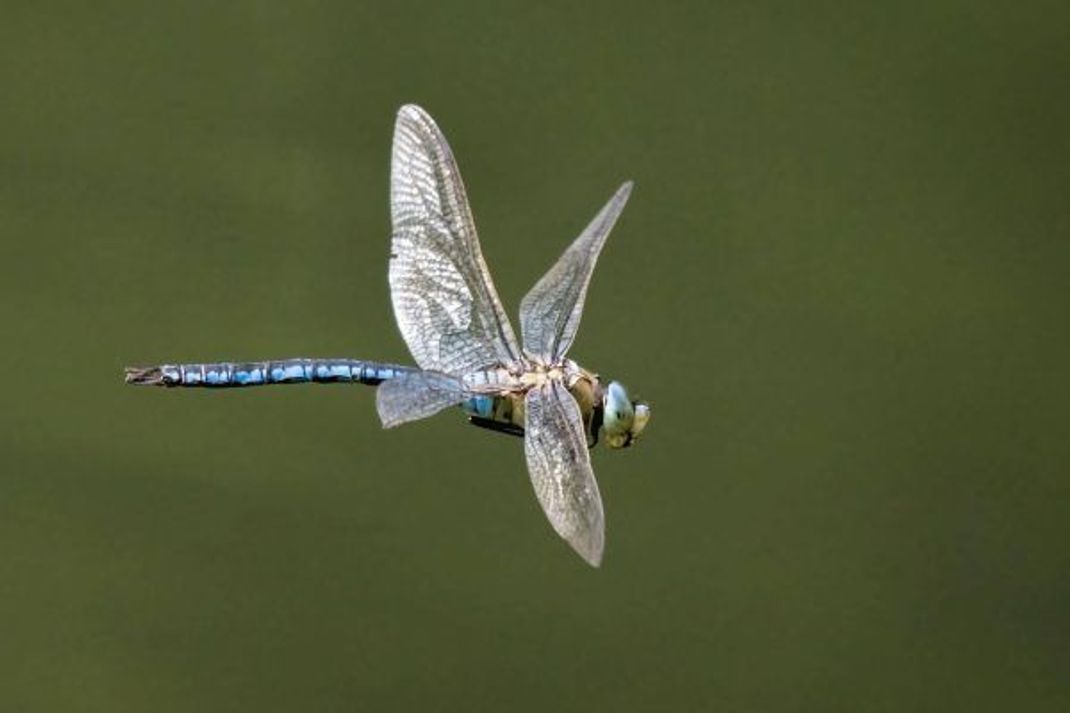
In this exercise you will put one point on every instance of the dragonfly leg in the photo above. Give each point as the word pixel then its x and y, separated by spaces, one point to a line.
pixel 499 426
pixel 593 426
pixel 514 430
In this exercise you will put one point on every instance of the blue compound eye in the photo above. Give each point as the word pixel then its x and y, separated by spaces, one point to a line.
pixel 619 411
pixel 622 419
pixel 618 415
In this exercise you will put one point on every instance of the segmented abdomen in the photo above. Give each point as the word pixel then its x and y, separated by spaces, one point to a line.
pixel 261 373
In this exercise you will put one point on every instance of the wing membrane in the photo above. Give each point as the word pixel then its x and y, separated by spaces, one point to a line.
pixel 560 469
pixel 550 313
pixel 416 395
pixel 444 300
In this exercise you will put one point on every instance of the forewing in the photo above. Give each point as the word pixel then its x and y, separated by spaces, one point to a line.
pixel 416 395
pixel 444 300
pixel 560 469
pixel 550 313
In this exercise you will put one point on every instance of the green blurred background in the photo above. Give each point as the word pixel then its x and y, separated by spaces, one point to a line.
pixel 841 281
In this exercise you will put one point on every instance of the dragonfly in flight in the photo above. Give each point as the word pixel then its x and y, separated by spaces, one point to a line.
pixel 465 349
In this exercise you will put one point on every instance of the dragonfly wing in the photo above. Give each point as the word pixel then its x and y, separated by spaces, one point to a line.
pixel 444 300
pixel 416 395
pixel 550 312
pixel 560 469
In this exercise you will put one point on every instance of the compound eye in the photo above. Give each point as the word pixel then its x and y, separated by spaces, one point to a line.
pixel 619 411
pixel 618 415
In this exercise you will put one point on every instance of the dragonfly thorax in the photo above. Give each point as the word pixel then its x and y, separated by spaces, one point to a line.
pixel 537 374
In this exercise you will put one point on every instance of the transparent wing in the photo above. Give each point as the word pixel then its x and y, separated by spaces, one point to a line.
pixel 416 395
pixel 444 300
pixel 550 313
pixel 560 469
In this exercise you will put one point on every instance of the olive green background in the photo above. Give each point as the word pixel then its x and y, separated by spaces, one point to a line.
pixel 841 281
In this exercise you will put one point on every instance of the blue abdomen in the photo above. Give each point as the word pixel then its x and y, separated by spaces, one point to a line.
pixel 260 373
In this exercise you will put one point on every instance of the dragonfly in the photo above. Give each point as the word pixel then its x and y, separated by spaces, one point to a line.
pixel 464 346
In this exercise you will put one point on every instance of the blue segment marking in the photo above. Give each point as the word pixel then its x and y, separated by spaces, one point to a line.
pixel 249 376
pixel 482 406
pixel 287 371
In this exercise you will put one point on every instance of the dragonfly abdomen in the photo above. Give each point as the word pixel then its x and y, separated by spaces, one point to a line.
pixel 263 373
pixel 482 406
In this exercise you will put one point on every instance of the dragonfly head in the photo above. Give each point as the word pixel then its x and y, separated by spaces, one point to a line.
pixel 622 419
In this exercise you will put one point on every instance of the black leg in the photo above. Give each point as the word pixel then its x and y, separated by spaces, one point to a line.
pixel 492 425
